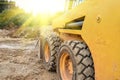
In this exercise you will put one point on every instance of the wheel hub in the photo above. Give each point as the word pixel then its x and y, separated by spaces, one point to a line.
pixel 66 67
pixel 47 52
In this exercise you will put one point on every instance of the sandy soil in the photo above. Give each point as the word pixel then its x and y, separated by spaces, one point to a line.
pixel 19 61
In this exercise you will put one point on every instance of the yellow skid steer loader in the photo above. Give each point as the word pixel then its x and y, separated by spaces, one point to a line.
pixel 85 41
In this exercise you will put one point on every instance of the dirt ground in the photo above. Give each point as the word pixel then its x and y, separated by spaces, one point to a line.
pixel 19 60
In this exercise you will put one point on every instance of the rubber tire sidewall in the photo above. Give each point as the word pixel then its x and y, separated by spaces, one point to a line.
pixel 66 49
pixel 40 54
pixel 44 41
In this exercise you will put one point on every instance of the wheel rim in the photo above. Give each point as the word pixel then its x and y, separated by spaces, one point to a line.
pixel 47 52
pixel 66 67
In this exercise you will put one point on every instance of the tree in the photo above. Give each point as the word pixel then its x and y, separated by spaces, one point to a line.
pixel 4 4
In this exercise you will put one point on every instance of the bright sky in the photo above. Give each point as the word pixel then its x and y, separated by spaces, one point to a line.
pixel 41 6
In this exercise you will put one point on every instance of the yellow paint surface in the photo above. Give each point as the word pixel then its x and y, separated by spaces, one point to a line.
pixel 101 31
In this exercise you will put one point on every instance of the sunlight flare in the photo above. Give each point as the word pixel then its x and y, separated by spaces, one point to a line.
pixel 41 6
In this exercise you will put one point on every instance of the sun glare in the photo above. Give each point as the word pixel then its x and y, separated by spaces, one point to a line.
pixel 41 6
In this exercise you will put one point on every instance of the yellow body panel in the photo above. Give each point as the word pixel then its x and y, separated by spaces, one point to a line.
pixel 101 32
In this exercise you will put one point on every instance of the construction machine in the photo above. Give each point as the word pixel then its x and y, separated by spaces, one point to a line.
pixel 84 42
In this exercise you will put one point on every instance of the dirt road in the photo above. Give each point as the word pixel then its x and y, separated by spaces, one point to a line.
pixel 19 61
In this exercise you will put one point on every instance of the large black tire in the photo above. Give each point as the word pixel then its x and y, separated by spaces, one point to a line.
pixel 81 59
pixel 53 42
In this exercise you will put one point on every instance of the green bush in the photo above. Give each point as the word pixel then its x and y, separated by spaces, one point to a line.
pixel 14 16
pixel 19 19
